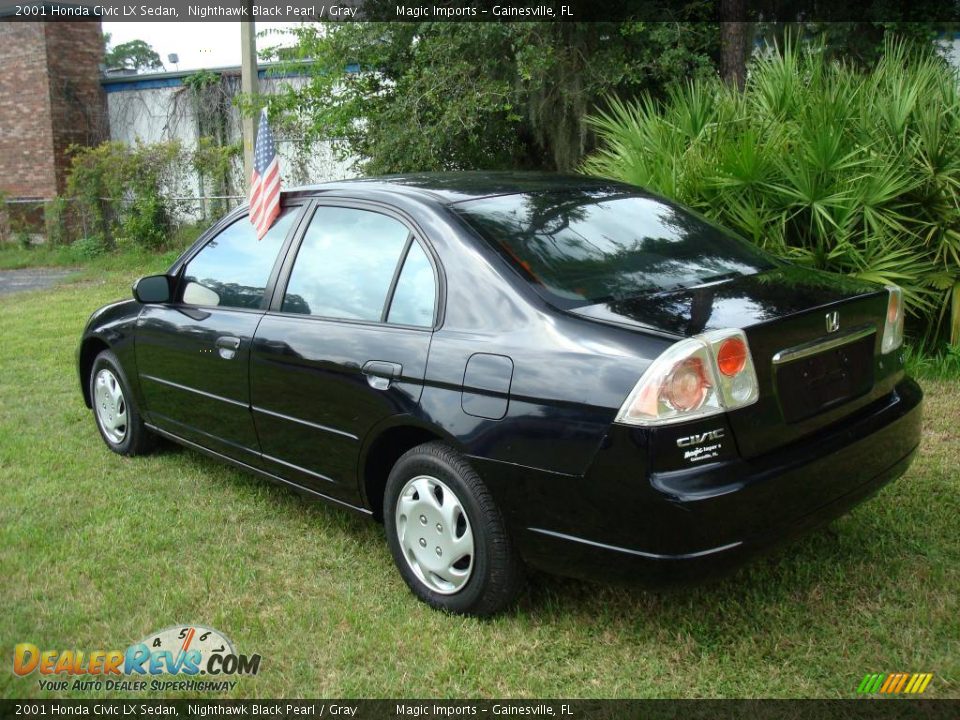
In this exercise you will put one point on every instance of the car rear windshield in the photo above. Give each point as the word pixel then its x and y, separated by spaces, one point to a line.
pixel 591 246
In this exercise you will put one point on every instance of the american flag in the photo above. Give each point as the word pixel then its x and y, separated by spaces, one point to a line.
pixel 265 183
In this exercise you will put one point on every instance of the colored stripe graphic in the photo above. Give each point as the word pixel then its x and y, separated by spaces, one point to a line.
pixel 894 683
pixel 869 680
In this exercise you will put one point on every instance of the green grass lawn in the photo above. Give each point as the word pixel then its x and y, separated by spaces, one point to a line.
pixel 97 551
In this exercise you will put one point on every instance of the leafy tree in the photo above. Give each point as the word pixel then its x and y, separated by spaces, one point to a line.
pixel 399 97
pixel 855 31
pixel 835 168
pixel 861 44
pixel 133 55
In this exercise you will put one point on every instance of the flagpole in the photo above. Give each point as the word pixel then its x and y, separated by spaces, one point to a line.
pixel 249 85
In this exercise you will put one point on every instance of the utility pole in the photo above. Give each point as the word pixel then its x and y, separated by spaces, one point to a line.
pixel 250 86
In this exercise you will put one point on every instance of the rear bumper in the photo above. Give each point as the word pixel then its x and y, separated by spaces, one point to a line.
pixel 616 523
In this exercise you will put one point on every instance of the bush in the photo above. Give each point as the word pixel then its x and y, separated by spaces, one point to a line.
pixel 944 365
pixel 146 223
pixel 120 191
pixel 20 221
pixel 22 238
pixel 55 221
pixel 88 248
pixel 849 172
pixel 213 164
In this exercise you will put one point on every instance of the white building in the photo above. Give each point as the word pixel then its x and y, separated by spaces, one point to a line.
pixel 162 107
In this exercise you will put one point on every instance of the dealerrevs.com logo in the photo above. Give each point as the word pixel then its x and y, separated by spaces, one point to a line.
pixel 199 658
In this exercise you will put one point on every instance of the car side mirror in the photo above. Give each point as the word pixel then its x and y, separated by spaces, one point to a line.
pixel 152 289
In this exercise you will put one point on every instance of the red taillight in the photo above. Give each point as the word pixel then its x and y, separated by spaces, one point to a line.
pixel 685 388
pixel 697 377
pixel 732 356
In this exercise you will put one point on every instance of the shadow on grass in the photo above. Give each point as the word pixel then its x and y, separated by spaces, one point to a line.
pixel 283 497
pixel 786 589
pixel 820 585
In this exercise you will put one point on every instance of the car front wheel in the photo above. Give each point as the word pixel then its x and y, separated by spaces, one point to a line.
pixel 447 536
pixel 115 410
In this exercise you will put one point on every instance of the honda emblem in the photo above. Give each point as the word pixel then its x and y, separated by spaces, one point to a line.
pixel 833 321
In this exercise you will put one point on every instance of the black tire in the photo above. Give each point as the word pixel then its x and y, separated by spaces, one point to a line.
pixel 136 438
pixel 496 575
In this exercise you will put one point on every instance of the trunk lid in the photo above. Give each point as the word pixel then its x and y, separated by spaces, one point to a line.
pixel 811 373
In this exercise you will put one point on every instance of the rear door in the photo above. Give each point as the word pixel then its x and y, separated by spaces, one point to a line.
pixel 193 354
pixel 344 345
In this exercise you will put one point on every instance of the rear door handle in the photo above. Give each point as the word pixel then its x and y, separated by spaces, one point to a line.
pixel 380 373
pixel 227 346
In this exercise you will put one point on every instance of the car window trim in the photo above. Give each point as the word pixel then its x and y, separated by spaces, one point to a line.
pixel 414 233
pixel 401 261
pixel 348 321
pixel 289 241
pixel 239 215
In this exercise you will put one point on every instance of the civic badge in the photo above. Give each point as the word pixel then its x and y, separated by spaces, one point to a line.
pixel 833 321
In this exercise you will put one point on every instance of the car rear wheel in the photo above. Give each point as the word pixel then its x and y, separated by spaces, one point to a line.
pixel 447 536
pixel 114 409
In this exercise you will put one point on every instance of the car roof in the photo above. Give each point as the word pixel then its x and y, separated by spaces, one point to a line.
pixel 454 187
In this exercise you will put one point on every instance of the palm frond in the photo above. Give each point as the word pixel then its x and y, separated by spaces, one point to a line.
pixel 859 174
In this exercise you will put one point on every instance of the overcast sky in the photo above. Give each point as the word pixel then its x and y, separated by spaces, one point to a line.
pixel 199 45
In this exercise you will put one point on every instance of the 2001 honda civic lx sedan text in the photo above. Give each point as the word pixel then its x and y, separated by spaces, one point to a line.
pixel 560 371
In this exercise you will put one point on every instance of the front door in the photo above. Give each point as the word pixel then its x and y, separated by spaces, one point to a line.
pixel 193 355
pixel 344 347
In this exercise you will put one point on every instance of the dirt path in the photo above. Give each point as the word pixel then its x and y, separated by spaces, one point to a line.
pixel 14 281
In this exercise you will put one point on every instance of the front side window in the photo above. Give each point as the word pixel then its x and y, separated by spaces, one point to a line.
pixel 232 269
pixel 345 265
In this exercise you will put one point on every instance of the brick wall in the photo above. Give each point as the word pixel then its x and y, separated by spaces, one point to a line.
pixel 26 135
pixel 77 101
pixel 50 97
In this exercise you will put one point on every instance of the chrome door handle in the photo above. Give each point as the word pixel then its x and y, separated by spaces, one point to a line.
pixel 380 373
pixel 227 347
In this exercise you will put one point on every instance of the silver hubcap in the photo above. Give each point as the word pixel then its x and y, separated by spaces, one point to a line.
pixel 435 534
pixel 110 405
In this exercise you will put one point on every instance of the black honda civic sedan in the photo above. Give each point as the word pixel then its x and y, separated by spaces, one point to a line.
pixel 508 370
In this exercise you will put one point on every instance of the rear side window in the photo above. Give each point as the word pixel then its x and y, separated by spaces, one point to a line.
pixel 584 247
pixel 232 269
pixel 415 296
pixel 346 264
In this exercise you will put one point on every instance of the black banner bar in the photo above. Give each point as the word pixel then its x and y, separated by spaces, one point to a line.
pixel 942 11
pixel 859 709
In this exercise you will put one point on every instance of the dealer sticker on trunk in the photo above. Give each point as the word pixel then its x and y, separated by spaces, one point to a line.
pixel 701 446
